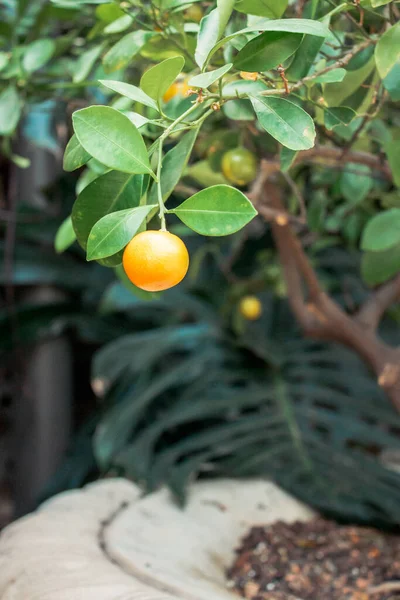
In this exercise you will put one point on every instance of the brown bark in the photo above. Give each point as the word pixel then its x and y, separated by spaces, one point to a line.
pixel 318 315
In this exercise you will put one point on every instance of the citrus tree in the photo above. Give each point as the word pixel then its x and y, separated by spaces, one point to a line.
pixel 241 97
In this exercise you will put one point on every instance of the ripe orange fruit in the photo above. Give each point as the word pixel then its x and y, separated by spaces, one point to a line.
pixel 250 308
pixel 155 260
pixel 179 87
pixel 239 166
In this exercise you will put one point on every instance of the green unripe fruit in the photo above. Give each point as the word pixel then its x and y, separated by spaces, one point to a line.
pixel 239 166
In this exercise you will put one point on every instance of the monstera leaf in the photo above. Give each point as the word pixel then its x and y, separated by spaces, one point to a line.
pixel 189 401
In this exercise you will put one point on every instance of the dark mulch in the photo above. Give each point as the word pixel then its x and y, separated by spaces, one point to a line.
pixel 317 560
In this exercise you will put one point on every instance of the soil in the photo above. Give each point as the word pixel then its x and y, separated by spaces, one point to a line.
pixel 316 560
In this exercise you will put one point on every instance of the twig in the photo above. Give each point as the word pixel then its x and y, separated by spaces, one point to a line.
pixel 374 308
pixel 295 189
pixel 389 586
pixel 281 71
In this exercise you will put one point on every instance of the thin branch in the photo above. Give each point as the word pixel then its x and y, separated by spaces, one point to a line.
pixel 341 62
pixel 321 153
pixel 374 308
pixel 388 587
pixel 295 189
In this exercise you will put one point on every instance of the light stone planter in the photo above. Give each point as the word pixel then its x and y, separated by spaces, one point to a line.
pixel 106 542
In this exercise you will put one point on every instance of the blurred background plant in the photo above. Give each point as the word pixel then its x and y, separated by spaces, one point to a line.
pixel 185 384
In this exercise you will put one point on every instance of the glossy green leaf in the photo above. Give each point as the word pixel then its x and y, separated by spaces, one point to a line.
pixel 119 25
pixel 267 51
pixel 382 231
pixel 156 80
pixel 111 138
pixel 387 51
pixel 355 182
pixel 120 55
pixel 307 26
pixel 273 9
pixel 340 115
pixel 74 156
pixel 204 80
pixel 38 54
pixel 334 76
pixel 393 153
pixel 173 165
pixel 336 93
pixel 225 8
pixel 65 236
pixel 243 88
pixel 287 158
pixel 392 83
pixel 378 267
pixel 112 233
pixel 238 110
pixel 108 193
pixel 285 121
pixel 203 173
pixel 376 3
pixel 109 12
pixel 207 37
pixel 130 91
pixel 10 110
pixel 86 62
pixel 137 120
pixel 309 48
pixel 217 210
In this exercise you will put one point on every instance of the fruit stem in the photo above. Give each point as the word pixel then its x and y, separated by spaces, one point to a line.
pixel 161 204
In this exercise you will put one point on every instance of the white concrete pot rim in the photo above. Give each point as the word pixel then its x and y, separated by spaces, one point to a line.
pixel 109 542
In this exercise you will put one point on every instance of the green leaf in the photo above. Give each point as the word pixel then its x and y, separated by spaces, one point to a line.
pixel 217 210
pixel 340 115
pixel 111 138
pixel 387 51
pixel 204 80
pixel 355 182
pixel 333 76
pixel 4 60
pixel 119 25
pixel 241 110
pixel 207 37
pixel 86 62
pixel 336 93
pixel 65 236
pixel 393 153
pixel 392 83
pixel 74 156
pixel 203 174
pixel 120 55
pixel 10 110
pixel 376 3
pixel 108 193
pixel 382 231
pixel 225 8
pixel 112 233
pixel 287 157
pixel 272 9
pixel 378 267
pixel 130 91
pixel 267 51
pixel 38 54
pixel 307 26
pixel 173 165
pixel 285 121
pixel 156 80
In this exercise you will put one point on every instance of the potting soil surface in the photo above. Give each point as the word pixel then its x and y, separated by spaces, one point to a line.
pixel 317 560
